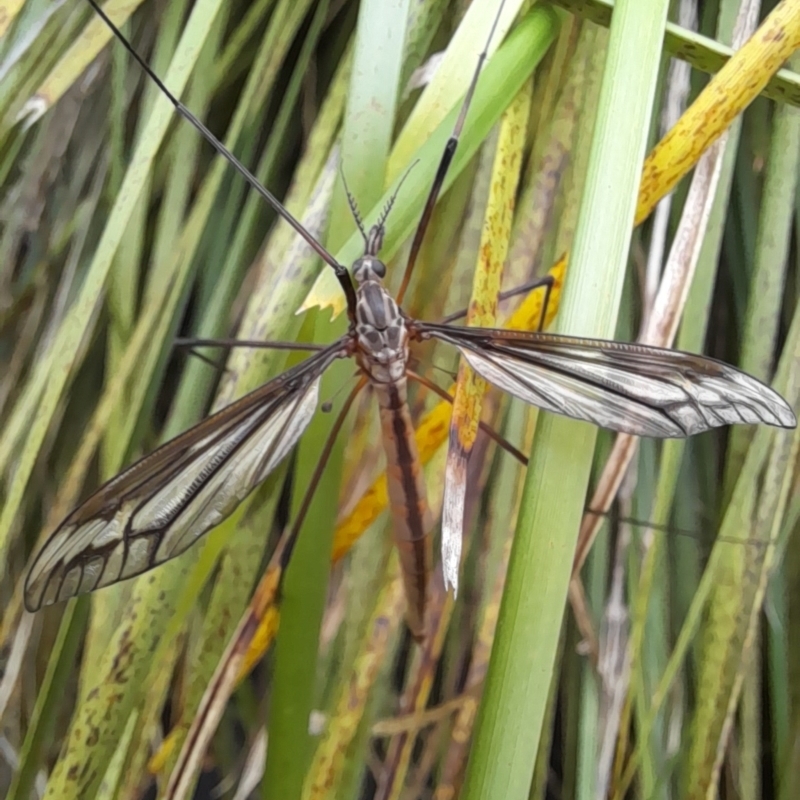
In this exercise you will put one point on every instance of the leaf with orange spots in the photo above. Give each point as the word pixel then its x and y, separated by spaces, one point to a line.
pixel 482 311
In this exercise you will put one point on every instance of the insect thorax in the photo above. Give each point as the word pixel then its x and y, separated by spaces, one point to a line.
pixel 381 332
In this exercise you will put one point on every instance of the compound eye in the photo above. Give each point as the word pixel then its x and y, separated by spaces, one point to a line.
pixel 378 267
pixel 368 268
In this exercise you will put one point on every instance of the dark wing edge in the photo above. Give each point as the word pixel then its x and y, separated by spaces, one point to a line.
pixel 630 388
pixel 160 505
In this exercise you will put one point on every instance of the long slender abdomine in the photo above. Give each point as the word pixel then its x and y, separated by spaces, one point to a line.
pixel 411 515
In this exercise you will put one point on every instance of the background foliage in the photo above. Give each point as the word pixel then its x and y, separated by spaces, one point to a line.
pixel 671 675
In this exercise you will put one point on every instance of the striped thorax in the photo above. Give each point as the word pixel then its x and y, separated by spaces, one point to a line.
pixel 381 330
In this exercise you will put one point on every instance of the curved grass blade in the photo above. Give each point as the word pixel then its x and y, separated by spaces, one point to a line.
pixel 482 312
pixel 701 52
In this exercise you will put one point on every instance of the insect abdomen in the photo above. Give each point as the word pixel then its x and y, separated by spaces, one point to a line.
pixel 411 515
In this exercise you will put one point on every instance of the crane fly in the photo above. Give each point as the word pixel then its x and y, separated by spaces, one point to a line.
pixel 158 507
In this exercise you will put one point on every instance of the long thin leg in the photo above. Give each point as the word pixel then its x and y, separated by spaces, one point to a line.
pixel 341 272
pixel 291 538
pixel 548 281
pixel 227 344
pixel 670 529
pixel 191 345
pixel 267 593
pixel 537 283
pixel 487 429
pixel 501 441
pixel 444 165
pixel 219 366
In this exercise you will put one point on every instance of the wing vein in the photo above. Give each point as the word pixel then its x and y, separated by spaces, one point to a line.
pixel 158 506
pixel 632 388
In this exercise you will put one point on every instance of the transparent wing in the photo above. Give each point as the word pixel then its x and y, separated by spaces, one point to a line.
pixel 159 506
pixel 646 391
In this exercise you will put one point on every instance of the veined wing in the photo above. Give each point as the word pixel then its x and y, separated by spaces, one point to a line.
pixel 646 391
pixel 159 506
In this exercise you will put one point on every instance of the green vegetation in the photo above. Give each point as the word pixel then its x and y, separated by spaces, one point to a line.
pixel 668 670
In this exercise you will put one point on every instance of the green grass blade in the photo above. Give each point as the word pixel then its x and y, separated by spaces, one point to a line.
pixel 521 668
